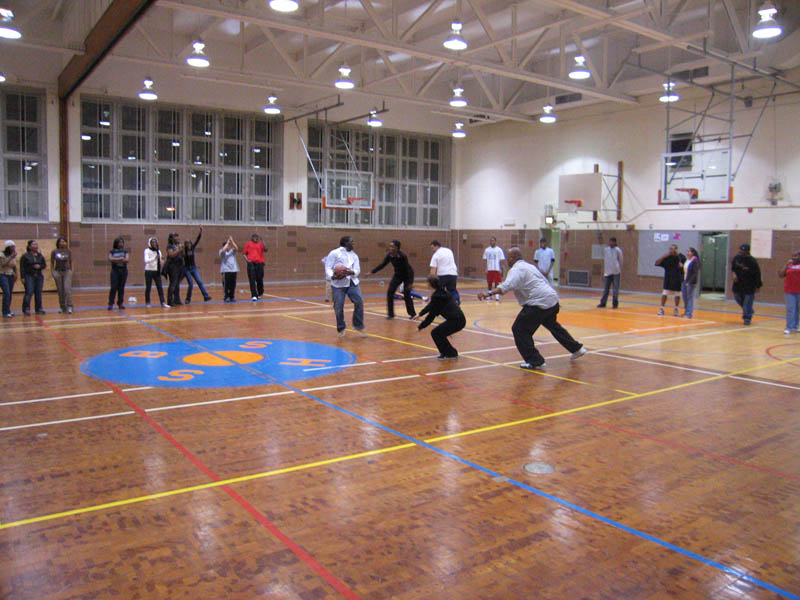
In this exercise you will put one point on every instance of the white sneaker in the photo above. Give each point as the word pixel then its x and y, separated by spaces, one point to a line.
pixel 787 331
pixel 148 306
pixel 165 305
pixel 340 333
pixel 577 354
pixel 424 298
pixel 530 367
pixel 660 311
pixel 254 298
pixel 362 333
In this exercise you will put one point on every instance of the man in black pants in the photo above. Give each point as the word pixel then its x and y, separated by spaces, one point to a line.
pixel 403 273
pixel 442 303
pixel 539 303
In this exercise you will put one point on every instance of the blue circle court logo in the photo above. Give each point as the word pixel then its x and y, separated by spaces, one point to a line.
pixel 217 363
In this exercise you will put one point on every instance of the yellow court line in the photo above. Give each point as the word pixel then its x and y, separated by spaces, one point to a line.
pixel 203 486
pixel 483 360
pixel 609 402
pixel 243 478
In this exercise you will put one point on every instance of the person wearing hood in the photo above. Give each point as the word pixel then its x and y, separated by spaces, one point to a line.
pixel 153 259
pixel 443 303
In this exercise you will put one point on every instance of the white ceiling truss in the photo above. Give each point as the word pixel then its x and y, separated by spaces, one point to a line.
pixel 518 58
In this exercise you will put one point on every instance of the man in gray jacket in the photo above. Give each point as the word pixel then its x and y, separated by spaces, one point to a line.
pixel 539 303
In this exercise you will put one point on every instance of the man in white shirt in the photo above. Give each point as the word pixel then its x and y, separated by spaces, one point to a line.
pixel 539 303
pixel 344 282
pixel 612 267
pixel 544 258
pixel 494 257
pixel 443 266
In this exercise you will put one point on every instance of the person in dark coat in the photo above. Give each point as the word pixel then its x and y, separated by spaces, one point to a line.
pixel 403 274
pixel 746 281
pixel 443 303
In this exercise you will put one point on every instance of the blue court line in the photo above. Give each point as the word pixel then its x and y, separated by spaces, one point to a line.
pixel 519 484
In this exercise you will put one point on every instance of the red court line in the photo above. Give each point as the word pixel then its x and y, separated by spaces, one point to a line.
pixel 271 527
pixel 771 348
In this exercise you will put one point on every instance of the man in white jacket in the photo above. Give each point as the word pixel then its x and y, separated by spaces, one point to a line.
pixel 344 282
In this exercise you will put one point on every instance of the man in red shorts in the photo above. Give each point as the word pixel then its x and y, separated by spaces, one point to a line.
pixel 494 257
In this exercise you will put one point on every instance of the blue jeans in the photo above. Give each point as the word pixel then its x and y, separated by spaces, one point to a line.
pixel 190 272
pixel 609 280
pixel 33 287
pixel 746 302
pixel 792 308
pixel 354 293
pixel 7 285
pixel 688 292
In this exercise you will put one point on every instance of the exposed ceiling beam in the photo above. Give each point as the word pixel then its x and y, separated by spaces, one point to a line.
pixel 275 22
pixel 487 27
pixel 411 28
pixel 741 38
pixel 114 23
pixel 282 52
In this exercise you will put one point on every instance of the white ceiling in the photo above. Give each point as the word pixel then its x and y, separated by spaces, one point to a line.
pixel 518 57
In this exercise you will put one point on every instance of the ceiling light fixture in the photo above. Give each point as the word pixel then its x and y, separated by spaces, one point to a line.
pixel 579 70
pixel 148 93
pixel 7 29
pixel 454 41
pixel 767 27
pixel 373 120
pixel 458 101
pixel 548 116
pixel 197 58
pixel 272 108
pixel 284 6
pixel 670 95
pixel 458 132
pixel 344 82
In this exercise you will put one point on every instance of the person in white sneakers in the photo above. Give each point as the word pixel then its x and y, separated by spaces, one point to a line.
pixel 539 303
pixel 343 267
pixel 494 257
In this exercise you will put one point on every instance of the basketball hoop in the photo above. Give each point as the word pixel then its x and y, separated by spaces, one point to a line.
pixel 576 204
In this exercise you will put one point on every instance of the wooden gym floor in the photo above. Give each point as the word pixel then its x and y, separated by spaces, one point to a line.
pixel 666 461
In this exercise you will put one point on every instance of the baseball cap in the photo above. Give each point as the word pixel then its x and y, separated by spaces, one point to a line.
pixel 8 244
pixel 745 247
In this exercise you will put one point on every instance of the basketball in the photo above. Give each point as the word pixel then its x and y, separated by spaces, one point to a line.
pixel 340 271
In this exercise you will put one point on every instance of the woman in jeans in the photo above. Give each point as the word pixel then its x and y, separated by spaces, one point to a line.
pixel 8 275
pixel 61 269
pixel 152 272
pixel 190 269
pixel 118 257
pixel 31 266
pixel 691 272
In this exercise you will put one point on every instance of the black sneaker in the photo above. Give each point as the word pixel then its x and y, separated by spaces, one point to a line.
pixel 40 312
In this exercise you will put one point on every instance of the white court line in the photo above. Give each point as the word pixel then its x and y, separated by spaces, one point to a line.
pixel 352 384
pixel 136 389
pixel 220 401
pixel 359 364
pixel 119 414
pixel 693 370
pixel 355 383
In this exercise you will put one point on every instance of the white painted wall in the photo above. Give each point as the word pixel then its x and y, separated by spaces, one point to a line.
pixel 508 172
